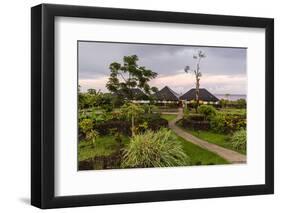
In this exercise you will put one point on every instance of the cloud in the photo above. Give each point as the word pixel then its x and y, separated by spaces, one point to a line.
pixel 224 69
pixel 181 83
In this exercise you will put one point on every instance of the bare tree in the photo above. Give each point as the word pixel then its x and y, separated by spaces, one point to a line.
pixel 197 73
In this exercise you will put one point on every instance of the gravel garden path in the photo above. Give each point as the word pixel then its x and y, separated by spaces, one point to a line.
pixel 229 155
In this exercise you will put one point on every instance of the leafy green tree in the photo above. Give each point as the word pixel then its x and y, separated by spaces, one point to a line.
pixel 132 110
pixel 197 73
pixel 92 91
pixel 154 89
pixel 124 77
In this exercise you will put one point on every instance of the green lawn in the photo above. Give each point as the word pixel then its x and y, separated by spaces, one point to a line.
pixel 199 156
pixel 215 138
pixel 169 117
pixel 106 145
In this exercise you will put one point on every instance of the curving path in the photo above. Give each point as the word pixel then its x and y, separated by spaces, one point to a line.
pixel 229 155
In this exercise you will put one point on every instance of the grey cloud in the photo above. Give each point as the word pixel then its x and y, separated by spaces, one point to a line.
pixel 95 57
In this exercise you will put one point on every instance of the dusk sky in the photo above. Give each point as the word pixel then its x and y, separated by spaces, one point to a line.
pixel 224 70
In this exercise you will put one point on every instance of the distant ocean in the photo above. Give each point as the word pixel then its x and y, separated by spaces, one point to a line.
pixel 231 97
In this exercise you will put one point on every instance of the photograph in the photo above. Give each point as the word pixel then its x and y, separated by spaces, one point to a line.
pixel 170 105
pixel 160 105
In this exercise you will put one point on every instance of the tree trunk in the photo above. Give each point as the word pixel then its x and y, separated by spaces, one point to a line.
pixel 197 94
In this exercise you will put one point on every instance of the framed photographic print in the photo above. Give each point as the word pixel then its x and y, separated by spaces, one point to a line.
pixel 139 106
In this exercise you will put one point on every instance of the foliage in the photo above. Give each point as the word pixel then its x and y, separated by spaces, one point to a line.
pixel 208 111
pixel 85 125
pixel 186 112
pixel 92 136
pixel 217 123
pixel 98 117
pixel 239 140
pixel 132 111
pixel 239 104
pixel 102 156
pixel 196 117
pixel 93 98
pixel 149 108
pixel 92 91
pixel 104 146
pixel 124 77
pixel 85 100
pixel 154 121
pixel 234 111
pixel 227 123
pixel 121 126
pixel 194 124
pixel 142 127
pixel 105 101
pixel 154 149
pixel 220 139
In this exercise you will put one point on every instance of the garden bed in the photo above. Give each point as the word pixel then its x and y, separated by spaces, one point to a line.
pixel 104 155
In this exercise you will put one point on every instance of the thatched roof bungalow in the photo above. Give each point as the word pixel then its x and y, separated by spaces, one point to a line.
pixel 134 94
pixel 166 95
pixel 205 96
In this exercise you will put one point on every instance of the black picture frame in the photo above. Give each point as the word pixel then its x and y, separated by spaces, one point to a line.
pixel 43 109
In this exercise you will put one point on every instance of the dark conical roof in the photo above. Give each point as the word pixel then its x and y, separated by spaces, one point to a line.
pixel 204 95
pixel 135 94
pixel 166 94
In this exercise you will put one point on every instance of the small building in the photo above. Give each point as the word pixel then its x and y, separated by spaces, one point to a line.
pixel 205 97
pixel 166 95
pixel 134 94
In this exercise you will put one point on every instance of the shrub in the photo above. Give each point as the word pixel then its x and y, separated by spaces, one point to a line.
pixel 154 149
pixel 85 125
pixel 238 104
pixel 239 140
pixel 195 122
pixel 185 112
pixel 154 121
pixel 196 117
pixel 111 161
pixel 149 108
pixel 106 127
pixel 241 103
pixel 208 111
pixel 195 125
pixel 217 123
pixel 227 123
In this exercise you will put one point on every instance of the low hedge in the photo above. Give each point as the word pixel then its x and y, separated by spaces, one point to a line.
pixel 105 128
pixel 112 161
pixel 195 117
pixel 195 125
pixel 157 124
pixel 154 121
